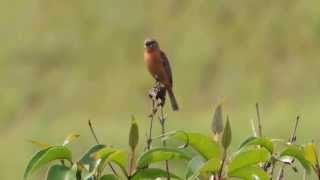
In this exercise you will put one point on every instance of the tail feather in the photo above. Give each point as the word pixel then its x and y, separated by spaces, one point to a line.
pixel 173 100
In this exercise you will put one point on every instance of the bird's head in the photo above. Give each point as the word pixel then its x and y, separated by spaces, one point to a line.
pixel 151 44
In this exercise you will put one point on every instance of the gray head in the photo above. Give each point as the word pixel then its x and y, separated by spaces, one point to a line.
pixel 151 43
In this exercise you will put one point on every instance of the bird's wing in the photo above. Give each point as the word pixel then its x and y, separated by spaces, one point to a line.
pixel 166 65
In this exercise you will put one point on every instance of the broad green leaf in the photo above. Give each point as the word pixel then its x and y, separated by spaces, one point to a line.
pixel 134 134
pixel 103 153
pixel 247 158
pixel 109 177
pixel 42 145
pixel 193 167
pixel 45 156
pixel 261 141
pixel 297 153
pixel 217 123
pixel 120 158
pixel 87 161
pixel 61 172
pixel 161 154
pixel 201 143
pixel 250 173
pixel 227 135
pixel 211 166
pixel 71 137
pixel 152 173
pixel 310 154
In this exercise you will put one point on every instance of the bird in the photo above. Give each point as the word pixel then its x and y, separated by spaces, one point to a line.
pixel 158 65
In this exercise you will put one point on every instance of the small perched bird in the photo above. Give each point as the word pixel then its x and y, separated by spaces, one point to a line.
pixel 159 67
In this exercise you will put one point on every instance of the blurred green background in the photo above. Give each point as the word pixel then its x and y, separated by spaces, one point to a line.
pixel 64 62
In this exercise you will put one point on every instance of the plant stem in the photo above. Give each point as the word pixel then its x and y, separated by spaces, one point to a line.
pixel 97 141
pixel 153 113
pixel 259 120
pixel 132 160
pixel 220 172
pixel 164 144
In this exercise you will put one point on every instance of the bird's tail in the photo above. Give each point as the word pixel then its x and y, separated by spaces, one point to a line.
pixel 173 100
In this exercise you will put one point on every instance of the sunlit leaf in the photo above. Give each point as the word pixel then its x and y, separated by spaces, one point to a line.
pixel 103 153
pixel 250 173
pixel 217 123
pixel 227 135
pixel 201 143
pixel 71 137
pixel 247 158
pixel 45 156
pixel 261 141
pixel 134 134
pixel 161 154
pixel 120 158
pixel 109 177
pixel 152 173
pixel 211 166
pixel 297 153
pixel 61 172
pixel 311 154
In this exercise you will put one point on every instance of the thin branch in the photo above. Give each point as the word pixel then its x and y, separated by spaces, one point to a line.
pixel 259 120
pixel 97 141
pixel 164 144
pixel 222 165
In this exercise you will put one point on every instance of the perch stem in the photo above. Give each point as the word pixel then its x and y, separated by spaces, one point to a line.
pixel 164 143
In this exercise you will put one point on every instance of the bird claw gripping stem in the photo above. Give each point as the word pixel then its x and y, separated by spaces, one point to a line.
pixel 158 95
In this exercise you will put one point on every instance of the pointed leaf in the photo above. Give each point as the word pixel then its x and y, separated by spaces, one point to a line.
pixel 201 143
pixel 152 173
pixel 109 177
pixel 161 154
pixel 212 166
pixel 217 123
pixel 103 153
pixel 311 154
pixel 120 158
pixel 57 172
pixel 45 156
pixel 247 158
pixel 250 173
pixel 71 137
pixel 227 135
pixel 297 153
pixel 261 141
pixel 134 134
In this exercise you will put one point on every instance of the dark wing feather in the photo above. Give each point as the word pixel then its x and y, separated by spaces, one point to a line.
pixel 166 65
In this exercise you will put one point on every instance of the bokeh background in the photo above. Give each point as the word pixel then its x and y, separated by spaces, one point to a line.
pixel 64 62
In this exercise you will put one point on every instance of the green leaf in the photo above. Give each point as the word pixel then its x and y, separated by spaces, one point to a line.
pixel 103 153
pixel 57 172
pixel 247 158
pixel 227 136
pixel 120 158
pixel 193 167
pixel 201 143
pixel 71 137
pixel 250 173
pixel 211 166
pixel 152 173
pixel 297 153
pixel 161 154
pixel 45 156
pixel 134 134
pixel 217 123
pixel 261 141
pixel 87 161
pixel 109 177
pixel 310 154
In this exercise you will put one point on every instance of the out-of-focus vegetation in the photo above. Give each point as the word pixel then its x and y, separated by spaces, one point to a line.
pixel 63 62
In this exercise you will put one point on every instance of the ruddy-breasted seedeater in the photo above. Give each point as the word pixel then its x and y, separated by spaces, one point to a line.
pixel 159 66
